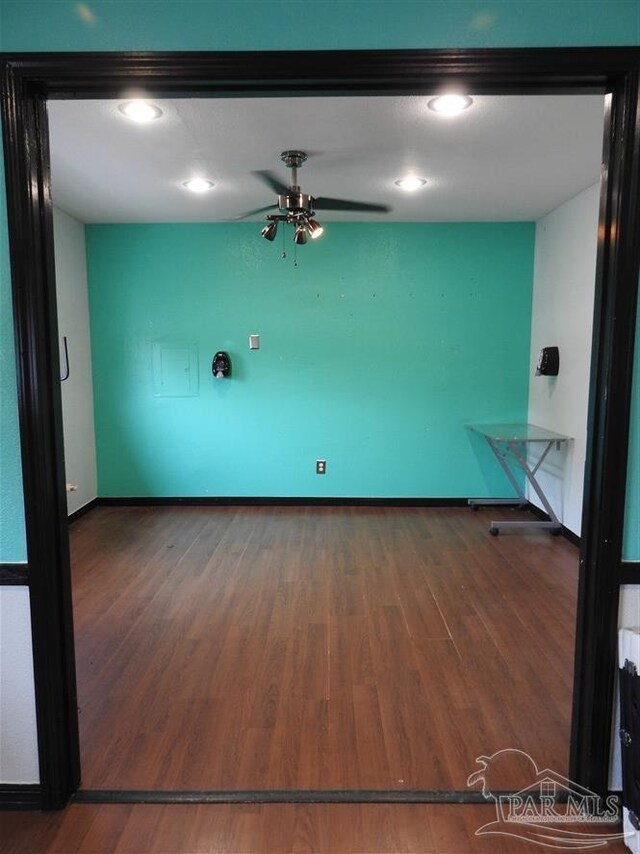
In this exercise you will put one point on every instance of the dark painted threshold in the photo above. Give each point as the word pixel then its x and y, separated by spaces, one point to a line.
pixel 278 796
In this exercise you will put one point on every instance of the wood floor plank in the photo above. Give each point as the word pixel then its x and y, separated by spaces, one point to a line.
pixel 316 647
pixel 263 829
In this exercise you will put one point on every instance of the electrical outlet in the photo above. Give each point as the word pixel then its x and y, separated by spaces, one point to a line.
pixel 321 466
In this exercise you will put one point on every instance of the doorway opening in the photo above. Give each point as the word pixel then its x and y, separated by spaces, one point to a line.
pixel 605 483
pixel 352 648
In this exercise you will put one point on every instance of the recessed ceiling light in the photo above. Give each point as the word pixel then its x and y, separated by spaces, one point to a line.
pixel 410 183
pixel 198 185
pixel 450 105
pixel 140 111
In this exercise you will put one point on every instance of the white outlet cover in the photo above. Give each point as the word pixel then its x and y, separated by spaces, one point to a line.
pixel 254 342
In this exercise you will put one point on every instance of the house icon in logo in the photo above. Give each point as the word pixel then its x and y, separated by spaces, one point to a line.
pixel 540 811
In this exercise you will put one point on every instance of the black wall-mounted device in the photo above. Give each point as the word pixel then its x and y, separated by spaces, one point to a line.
pixel 221 365
pixel 548 362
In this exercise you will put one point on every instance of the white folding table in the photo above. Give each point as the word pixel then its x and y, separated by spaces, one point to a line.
pixel 509 444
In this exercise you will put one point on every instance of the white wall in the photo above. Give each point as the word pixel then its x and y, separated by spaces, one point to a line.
pixel 77 391
pixel 562 316
pixel 18 734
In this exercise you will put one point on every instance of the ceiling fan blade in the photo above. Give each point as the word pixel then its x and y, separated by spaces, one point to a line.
pixel 272 181
pixel 324 203
pixel 256 211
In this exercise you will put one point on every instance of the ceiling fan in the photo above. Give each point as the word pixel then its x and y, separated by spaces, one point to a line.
pixel 298 208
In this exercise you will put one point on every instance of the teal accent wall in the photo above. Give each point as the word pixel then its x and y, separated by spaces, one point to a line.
pixel 12 535
pixel 327 24
pixel 631 550
pixel 238 25
pixel 375 352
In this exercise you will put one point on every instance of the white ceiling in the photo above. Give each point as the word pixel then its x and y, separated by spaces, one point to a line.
pixel 505 158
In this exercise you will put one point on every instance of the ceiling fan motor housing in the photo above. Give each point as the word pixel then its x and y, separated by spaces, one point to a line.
pixel 295 202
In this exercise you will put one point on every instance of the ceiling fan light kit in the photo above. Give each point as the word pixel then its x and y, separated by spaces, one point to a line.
pixel 315 229
pixel 270 230
pixel 297 208
pixel 300 235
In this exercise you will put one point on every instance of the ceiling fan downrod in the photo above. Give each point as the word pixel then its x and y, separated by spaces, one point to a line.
pixel 294 160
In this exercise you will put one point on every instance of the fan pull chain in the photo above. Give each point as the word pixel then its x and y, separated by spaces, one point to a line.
pixel 283 254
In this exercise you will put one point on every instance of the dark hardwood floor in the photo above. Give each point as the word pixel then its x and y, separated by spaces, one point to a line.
pixel 273 829
pixel 318 647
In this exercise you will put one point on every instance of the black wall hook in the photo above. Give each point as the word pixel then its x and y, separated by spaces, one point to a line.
pixel 67 369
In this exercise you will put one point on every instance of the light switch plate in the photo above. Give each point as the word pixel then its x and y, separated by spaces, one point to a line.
pixel 254 342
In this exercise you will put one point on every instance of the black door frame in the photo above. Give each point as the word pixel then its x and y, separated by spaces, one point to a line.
pixel 28 80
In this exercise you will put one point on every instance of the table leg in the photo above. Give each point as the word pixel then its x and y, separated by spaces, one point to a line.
pixel 530 473
pixel 504 452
